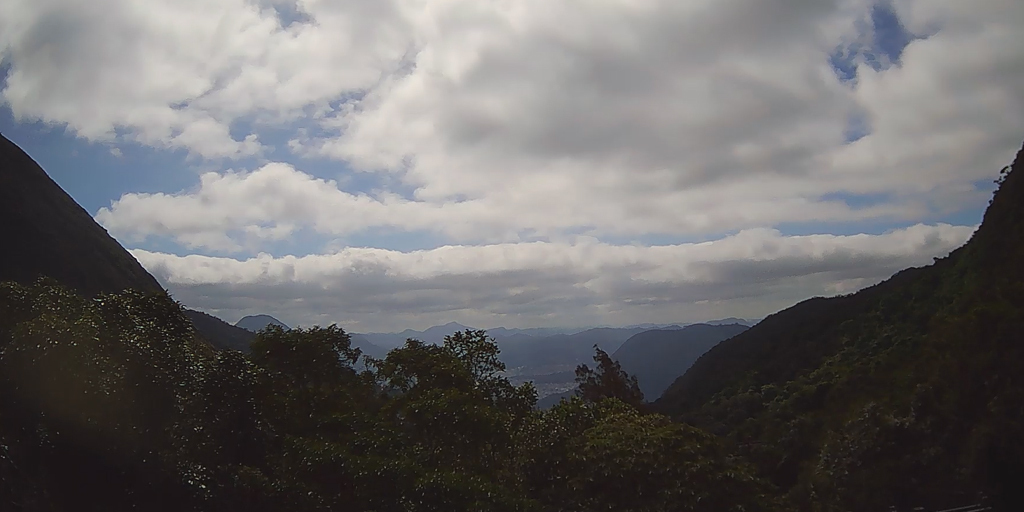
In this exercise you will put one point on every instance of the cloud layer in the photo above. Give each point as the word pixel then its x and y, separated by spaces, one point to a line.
pixel 511 120
pixel 587 282
pixel 517 126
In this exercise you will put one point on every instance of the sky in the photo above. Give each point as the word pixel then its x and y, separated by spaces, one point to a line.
pixel 391 164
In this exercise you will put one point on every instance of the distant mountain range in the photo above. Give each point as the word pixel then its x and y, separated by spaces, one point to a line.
pixel 437 333
pixel 746 322
pixel 434 335
pixel 562 349
pixel 658 357
pixel 548 356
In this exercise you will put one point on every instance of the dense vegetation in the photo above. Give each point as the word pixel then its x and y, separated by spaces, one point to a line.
pixel 46 233
pixel 220 334
pixel 909 393
pixel 113 403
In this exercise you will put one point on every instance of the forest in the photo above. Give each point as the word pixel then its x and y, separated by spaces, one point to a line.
pixel 908 395
pixel 113 404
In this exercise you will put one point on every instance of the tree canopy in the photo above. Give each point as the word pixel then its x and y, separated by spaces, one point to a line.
pixel 113 404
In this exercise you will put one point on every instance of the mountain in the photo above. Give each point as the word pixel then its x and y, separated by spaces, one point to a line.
pixel 240 336
pixel 562 349
pixel 657 357
pixel 368 349
pixel 256 323
pixel 651 327
pixel 219 333
pixel 502 332
pixel 733 320
pixel 433 335
pixel 46 233
pixel 906 394
pixel 549 362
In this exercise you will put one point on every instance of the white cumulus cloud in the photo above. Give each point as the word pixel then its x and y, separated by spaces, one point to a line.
pixel 584 282
pixel 514 127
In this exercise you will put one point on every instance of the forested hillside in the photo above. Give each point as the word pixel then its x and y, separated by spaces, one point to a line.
pixel 219 333
pixel 908 393
pixel 111 404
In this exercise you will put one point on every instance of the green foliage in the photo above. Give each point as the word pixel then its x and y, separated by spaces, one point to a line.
pixel 607 380
pixel 905 394
pixel 114 404
pixel 89 393
pixel 610 456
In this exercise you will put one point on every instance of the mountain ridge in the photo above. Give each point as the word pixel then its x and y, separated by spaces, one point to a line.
pixel 55 236
pixel 916 379
pixel 659 356
pixel 58 239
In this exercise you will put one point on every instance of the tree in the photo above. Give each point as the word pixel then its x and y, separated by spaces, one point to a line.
pixel 609 456
pixel 607 380
pixel 114 404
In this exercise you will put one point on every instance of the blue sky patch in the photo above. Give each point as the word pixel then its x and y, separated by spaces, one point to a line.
pixel 880 43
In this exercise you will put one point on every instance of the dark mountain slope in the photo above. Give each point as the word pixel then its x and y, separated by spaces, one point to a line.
pixel 909 393
pixel 778 349
pixel 46 233
pixel 256 323
pixel 657 358
pixel 219 333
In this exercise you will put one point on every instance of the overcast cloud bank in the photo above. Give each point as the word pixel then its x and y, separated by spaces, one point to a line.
pixel 527 139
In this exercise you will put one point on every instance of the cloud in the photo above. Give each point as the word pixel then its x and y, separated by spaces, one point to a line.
pixel 640 105
pixel 700 117
pixel 234 211
pixel 511 129
pixel 180 73
pixel 951 112
pixel 533 119
pixel 583 282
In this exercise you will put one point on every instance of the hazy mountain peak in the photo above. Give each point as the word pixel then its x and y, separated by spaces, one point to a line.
pixel 259 322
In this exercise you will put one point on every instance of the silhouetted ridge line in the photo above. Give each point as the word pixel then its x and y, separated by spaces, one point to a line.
pixel 46 233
